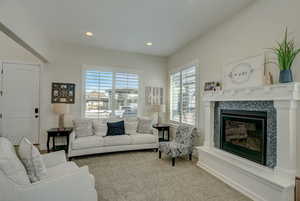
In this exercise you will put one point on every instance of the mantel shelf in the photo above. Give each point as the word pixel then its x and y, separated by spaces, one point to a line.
pixel 289 91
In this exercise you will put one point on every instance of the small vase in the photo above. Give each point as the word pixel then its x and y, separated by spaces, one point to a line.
pixel 285 76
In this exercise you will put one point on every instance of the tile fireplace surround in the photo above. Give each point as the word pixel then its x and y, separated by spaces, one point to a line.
pixel 260 183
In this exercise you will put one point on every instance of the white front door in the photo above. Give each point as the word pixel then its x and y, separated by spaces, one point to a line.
pixel 20 102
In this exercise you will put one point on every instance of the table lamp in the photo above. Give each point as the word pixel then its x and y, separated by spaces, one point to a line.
pixel 61 109
pixel 158 108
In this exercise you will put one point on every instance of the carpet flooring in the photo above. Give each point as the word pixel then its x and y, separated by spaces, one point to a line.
pixel 141 176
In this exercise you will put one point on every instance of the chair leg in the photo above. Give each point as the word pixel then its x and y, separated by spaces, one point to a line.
pixel 159 154
pixel 173 161
pixel 190 157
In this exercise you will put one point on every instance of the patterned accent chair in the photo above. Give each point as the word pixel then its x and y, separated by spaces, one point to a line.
pixel 182 145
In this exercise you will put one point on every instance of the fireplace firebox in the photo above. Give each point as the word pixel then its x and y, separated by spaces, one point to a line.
pixel 243 133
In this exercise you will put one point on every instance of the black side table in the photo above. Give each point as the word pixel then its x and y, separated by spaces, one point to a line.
pixel 58 132
pixel 163 128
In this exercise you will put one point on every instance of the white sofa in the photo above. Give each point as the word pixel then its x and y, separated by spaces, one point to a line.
pixel 95 144
pixel 65 180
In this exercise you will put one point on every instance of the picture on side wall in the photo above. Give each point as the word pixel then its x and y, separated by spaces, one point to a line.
pixel 63 93
pixel 154 95
pixel 247 72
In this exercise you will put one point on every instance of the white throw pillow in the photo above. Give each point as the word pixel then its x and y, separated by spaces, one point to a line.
pixel 32 160
pixel 144 125
pixel 131 125
pixel 83 127
pixel 10 164
pixel 100 127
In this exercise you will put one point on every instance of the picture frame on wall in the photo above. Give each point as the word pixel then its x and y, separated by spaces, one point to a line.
pixel 154 95
pixel 63 93
pixel 244 73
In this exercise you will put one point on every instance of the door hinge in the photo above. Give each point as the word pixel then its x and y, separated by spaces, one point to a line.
pixel 0 115
pixel 2 71
pixel 1 93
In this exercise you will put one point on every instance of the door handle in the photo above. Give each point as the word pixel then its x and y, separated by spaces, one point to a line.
pixel 36 110
pixel 36 116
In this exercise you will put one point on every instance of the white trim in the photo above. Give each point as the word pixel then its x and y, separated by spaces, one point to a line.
pixel 114 70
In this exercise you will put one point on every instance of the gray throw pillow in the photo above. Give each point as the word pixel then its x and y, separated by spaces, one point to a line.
pixel 83 127
pixel 144 125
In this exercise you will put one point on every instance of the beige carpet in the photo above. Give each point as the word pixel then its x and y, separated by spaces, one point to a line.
pixel 141 176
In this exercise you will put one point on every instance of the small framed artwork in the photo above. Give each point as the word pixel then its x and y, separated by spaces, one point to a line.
pixel 209 86
pixel 63 93
pixel 154 95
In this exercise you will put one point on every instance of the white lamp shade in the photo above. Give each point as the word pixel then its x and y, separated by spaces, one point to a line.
pixel 60 108
pixel 158 108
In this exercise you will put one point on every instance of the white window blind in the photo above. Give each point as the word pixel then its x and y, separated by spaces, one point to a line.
pixel 126 94
pixel 183 96
pixel 98 94
pixel 109 93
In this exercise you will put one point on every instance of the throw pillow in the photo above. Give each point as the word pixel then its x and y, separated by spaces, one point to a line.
pixel 83 127
pixel 115 128
pixel 32 160
pixel 144 125
pixel 100 127
pixel 10 164
pixel 131 125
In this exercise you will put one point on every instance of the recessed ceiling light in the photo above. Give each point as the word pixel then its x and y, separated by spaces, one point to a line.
pixel 149 44
pixel 89 33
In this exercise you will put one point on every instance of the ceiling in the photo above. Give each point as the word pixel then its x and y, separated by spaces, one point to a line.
pixel 127 24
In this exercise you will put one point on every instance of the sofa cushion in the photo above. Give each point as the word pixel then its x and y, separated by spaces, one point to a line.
pixel 83 127
pixel 10 164
pixel 88 142
pixel 100 127
pixel 144 125
pixel 117 140
pixel 131 125
pixel 61 170
pixel 32 160
pixel 144 139
pixel 115 128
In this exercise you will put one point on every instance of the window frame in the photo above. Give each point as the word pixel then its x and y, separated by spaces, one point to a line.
pixel 197 101
pixel 114 70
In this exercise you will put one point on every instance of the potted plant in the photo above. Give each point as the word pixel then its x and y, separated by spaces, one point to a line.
pixel 286 53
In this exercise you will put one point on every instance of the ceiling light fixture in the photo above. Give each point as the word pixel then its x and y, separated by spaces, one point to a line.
pixel 149 44
pixel 89 33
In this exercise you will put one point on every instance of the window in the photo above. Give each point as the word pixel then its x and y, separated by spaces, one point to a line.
pixel 183 96
pixel 108 93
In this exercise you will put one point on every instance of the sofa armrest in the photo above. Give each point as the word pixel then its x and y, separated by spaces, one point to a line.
pixel 74 186
pixel 54 158
pixel 71 140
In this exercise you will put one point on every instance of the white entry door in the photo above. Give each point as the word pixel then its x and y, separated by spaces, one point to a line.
pixel 20 102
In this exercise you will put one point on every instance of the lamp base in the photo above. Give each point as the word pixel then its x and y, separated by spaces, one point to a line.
pixel 61 121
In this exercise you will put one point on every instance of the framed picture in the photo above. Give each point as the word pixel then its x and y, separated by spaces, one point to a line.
pixel 63 93
pixel 248 72
pixel 154 95
pixel 211 86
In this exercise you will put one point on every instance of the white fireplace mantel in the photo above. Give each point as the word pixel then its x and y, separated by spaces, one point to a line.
pixel 258 182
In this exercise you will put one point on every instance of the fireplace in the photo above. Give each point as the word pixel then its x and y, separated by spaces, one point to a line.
pixel 243 133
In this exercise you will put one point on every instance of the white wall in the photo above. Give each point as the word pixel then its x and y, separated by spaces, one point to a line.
pixel 66 61
pixel 248 33
pixel 11 51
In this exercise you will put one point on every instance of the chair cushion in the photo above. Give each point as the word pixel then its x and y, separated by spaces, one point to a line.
pixel 117 140
pixel 88 142
pixel 61 169
pixel 32 160
pixel 144 139
pixel 10 164
pixel 100 127
pixel 145 125
pixel 115 128
pixel 83 127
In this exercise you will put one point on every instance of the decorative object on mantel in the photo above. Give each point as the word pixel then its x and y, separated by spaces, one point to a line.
pixel 269 79
pixel 286 53
pixel 63 93
pixel 247 72
pixel 212 86
pixel 154 95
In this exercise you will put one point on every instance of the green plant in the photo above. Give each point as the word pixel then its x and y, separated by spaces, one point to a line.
pixel 286 52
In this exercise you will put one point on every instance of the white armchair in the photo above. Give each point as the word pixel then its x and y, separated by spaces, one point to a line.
pixel 65 182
